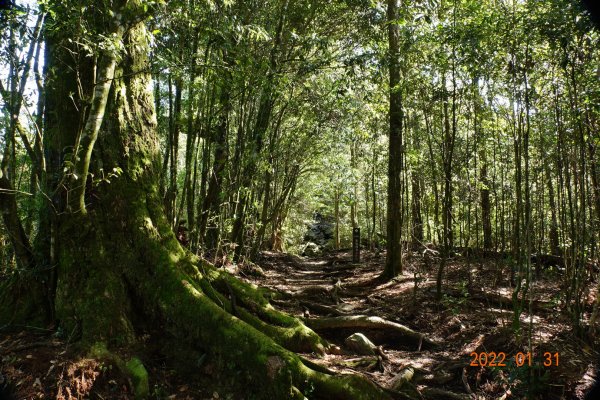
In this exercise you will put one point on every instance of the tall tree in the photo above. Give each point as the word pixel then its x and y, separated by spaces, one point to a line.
pixel 119 262
pixel 393 262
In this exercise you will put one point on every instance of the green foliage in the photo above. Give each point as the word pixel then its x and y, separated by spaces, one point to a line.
pixel 456 303
pixel 528 381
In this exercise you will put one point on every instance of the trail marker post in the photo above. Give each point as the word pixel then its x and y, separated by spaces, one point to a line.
pixel 356 245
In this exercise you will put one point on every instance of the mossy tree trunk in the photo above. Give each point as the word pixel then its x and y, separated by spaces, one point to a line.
pixel 119 262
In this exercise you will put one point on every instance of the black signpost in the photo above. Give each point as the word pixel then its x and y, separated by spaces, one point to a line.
pixel 356 245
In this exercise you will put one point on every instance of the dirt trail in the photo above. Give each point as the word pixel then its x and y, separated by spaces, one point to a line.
pixel 472 317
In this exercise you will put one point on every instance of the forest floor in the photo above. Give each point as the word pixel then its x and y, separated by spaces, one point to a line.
pixel 473 317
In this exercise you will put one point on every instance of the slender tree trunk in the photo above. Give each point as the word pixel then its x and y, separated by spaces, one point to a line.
pixel 553 234
pixel 188 193
pixel 448 233
pixel 436 195
pixel 374 197
pixel 209 227
pixel 13 224
pixel 267 190
pixel 484 192
pixel 594 167
pixel 336 208
pixel 448 152
pixel 354 202
pixel 173 190
pixel 486 214
pixel 417 217
pixel 265 109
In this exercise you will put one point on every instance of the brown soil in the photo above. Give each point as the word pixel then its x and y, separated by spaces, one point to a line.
pixel 473 316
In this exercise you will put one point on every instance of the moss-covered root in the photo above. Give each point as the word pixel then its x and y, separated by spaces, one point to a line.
pixel 254 308
pixel 297 338
pixel 247 358
pixel 133 369
pixel 345 387
pixel 139 378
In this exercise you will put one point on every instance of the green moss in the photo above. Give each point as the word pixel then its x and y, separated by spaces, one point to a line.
pixel 248 357
pixel 134 369
pixel 124 252
pixel 139 378
pixel 254 308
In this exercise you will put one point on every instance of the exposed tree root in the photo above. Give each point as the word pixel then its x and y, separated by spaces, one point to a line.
pixel 323 309
pixel 441 394
pixel 245 349
pixel 436 378
pixel 499 300
pixel 370 322
pixel 243 337
pixel 402 377
pixel 241 332
pixel 330 293
pixel 251 351
pixel 253 307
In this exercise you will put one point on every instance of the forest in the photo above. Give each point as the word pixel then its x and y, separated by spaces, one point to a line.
pixel 276 199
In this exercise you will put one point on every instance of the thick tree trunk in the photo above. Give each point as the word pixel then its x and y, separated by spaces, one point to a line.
pixel 393 262
pixel 121 267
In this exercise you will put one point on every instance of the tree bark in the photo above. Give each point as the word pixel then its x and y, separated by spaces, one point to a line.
pixel 553 234
pixel 263 119
pixel 393 262
pixel 208 229
pixel 121 267
pixel 417 217
pixel 484 192
pixel 13 224
pixel 336 208
pixel 486 213
pixel 89 135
